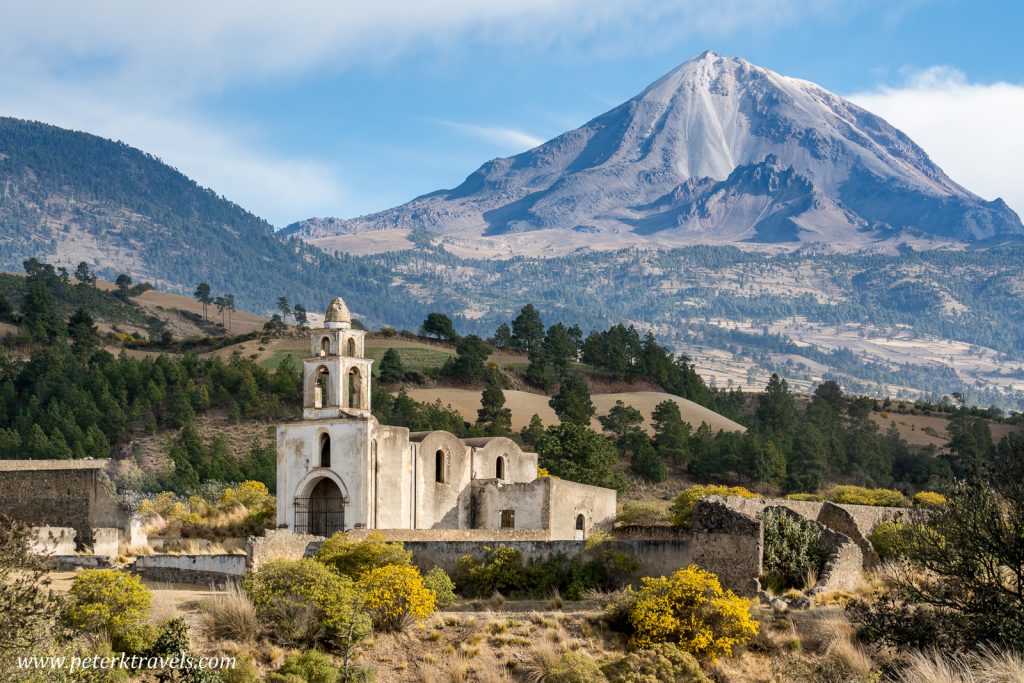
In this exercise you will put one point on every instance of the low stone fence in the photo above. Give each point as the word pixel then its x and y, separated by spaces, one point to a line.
pixel 65 563
pixel 196 569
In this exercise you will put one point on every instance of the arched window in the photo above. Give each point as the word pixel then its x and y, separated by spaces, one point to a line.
pixel 325 450
pixel 499 468
pixel 321 394
pixel 581 522
pixel 440 468
pixel 351 346
pixel 325 346
pixel 355 388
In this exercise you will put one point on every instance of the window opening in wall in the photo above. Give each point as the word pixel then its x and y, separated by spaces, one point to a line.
pixel 440 473
pixel 325 450
pixel 508 519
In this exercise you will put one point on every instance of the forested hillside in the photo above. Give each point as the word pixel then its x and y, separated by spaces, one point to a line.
pixel 69 197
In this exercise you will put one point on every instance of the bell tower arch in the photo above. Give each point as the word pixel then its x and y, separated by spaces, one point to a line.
pixel 336 374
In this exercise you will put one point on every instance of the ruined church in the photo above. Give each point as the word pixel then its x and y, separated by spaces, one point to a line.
pixel 339 469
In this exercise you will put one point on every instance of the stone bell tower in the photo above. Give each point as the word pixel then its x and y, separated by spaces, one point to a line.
pixel 336 376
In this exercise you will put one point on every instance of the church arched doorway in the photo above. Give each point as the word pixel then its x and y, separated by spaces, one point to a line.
pixel 322 513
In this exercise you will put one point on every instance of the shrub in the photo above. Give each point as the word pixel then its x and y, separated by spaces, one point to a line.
pixel 858 495
pixel 310 666
pixel 395 596
pixel 244 671
pixel 355 558
pixel 256 498
pixel 662 663
pixel 889 539
pixel 231 615
pixel 682 508
pixel 173 642
pixel 575 667
pixel 690 610
pixel 929 499
pixel 111 602
pixel 792 547
pixel 807 497
pixel 643 514
pixel 501 570
pixel 438 581
pixel 306 602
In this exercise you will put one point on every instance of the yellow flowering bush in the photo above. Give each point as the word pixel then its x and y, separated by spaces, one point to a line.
pixel 806 497
pixel 682 508
pixel 889 539
pixel 168 506
pixel 929 499
pixel 858 495
pixel 108 601
pixel 354 559
pixel 287 593
pixel 690 610
pixel 395 596
pixel 254 495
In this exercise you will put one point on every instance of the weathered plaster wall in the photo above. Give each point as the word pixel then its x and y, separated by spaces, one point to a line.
pixel 568 499
pixel 278 544
pixel 198 569
pixel 529 501
pixel 446 504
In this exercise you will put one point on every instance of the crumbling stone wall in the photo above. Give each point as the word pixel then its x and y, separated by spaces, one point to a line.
pixel 61 493
pixel 728 542
pixel 196 569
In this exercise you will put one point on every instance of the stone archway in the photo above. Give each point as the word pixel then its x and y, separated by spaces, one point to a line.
pixel 321 391
pixel 322 511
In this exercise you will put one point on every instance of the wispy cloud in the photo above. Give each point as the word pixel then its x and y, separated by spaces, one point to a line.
pixel 511 139
pixel 971 130
pixel 141 71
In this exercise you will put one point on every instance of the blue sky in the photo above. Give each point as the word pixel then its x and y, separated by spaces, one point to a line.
pixel 341 108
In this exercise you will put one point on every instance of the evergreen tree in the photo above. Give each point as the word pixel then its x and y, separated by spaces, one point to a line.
pixel 560 349
pixel 286 310
pixel 621 420
pixel 438 325
pixel 493 417
pixel 644 459
pixel 572 402
pixel 776 410
pixel 391 368
pixel 528 328
pixel 469 363
pixel 82 331
pixel 531 433
pixel 84 275
pixel 671 434
pixel 578 453
pixel 502 338
pixel 301 318
pixel 39 317
pixel 202 295
pixel 538 372
pixel 806 465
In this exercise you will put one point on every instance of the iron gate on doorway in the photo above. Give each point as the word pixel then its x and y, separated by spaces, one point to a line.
pixel 319 516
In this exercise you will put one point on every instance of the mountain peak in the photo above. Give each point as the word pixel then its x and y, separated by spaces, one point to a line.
pixel 637 167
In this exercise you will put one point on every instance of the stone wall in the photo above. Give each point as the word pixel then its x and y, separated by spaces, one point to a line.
pixel 53 540
pixel 278 544
pixel 61 493
pixel 728 542
pixel 196 569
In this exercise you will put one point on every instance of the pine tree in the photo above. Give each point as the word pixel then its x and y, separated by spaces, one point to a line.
pixel 532 432
pixel 572 402
pixel 528 328
pixel 391 368
pixel 671 434
pixel 493 416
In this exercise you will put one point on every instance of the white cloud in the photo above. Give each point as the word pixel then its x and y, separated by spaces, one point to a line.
pixel 971 130
pixel 140 71
pixel 511 139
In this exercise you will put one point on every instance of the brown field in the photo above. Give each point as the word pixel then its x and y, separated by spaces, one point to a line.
pixel 930 430
pixel 524 405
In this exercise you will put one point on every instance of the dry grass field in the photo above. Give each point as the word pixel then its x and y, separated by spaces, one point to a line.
pixel 524 405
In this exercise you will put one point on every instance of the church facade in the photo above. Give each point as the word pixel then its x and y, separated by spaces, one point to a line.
pixel 339 469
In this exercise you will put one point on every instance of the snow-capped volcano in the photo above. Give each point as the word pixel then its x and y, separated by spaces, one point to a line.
pixel 716 151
